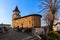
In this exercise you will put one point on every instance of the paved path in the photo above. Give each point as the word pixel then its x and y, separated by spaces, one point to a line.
pixel 59 37
pixel 13 35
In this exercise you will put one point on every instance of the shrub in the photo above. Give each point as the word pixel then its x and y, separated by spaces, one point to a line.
pixel 52 35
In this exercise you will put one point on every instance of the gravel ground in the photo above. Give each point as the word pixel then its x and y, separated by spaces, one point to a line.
pixel 13 35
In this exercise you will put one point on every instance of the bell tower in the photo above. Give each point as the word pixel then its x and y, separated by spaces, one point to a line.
pixel 16 13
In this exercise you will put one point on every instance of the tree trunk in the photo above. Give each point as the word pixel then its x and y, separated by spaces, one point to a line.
pixel 51 26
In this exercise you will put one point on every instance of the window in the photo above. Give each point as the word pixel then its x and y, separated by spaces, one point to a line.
pixel 29 22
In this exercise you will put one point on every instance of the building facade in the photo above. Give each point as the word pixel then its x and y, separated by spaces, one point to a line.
pixel 29 21
pixel 56 27
pixel 5 25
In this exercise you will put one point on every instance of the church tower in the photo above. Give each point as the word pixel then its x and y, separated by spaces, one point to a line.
pixel 16 13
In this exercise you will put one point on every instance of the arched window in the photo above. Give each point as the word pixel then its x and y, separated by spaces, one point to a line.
pixel 22 25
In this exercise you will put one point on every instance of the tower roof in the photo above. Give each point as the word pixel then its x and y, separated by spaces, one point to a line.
pixel 16 9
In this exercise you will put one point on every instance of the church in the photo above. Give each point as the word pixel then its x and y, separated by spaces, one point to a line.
pixel 29 21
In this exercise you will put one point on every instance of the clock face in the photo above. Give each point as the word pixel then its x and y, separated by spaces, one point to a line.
pixel 14 16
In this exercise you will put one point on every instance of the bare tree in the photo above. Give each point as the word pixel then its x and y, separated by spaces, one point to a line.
pixel 51 8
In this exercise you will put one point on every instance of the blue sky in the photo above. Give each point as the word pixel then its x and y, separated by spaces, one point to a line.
pixel 26 7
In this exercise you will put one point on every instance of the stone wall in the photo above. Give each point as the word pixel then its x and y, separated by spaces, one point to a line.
pixel 27 22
